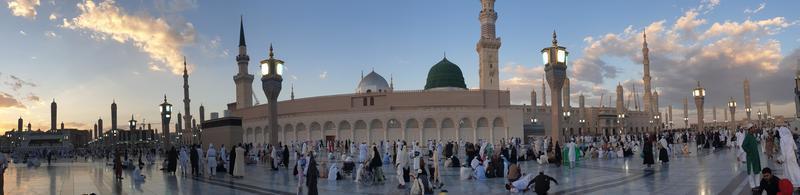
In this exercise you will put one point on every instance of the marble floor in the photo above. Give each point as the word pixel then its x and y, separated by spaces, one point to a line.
pixel 703 172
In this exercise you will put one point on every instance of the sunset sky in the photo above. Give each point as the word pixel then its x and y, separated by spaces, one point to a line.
pixel 84 54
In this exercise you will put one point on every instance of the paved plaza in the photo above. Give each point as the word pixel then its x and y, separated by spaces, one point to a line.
pixel 703 172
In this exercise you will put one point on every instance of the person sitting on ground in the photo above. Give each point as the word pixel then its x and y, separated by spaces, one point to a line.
pixel 137 175
pixel 769 182
pixel 541 183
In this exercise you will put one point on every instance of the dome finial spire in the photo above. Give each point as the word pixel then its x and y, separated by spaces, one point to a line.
pixel 555 41
pixel 271 54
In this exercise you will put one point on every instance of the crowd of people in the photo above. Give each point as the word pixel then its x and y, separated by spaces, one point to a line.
pixel 418 166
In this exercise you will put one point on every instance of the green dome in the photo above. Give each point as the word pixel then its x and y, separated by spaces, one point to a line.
pixel 445 74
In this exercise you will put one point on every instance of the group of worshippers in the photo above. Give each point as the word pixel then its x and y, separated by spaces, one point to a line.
pixel 748 153
pixel 193 160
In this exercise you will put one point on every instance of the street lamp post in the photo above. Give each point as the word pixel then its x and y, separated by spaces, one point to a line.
pixel 686 122
pixel 555 60
pixel 732 106
pixel 699 97
pixel 271 83
pixel 657 120
pixel 166 113
pixel 583 123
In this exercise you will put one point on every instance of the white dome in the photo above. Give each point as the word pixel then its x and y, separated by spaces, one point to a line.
pixel 371 83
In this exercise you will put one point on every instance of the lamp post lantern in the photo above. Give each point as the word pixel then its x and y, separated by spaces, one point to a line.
pixel 555 60
pixel 271 83
pixel 567 114
pixel 621 121
pixel 699 94
pixel 732 106
pixel 166 114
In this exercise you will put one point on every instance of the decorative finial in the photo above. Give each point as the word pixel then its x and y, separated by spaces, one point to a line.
pixel 698 83
pixel 165 97
pixel 241 31
pixel 555 41
pixel 362 74
pixel 184 65
pixel 270 51
pixel 445 54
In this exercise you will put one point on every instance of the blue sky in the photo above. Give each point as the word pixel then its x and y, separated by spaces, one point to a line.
pixel 66 52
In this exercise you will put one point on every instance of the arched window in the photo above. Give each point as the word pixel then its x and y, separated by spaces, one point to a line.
pixel 371 101
pixel 365 101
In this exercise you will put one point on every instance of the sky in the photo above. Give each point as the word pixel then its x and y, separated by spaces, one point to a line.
pixel 86 54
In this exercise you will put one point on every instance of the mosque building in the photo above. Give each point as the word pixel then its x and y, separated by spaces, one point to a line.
pixel 444 109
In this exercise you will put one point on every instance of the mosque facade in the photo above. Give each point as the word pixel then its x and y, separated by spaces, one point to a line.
pixel 444 109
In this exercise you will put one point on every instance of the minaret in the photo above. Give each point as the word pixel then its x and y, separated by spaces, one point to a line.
pixel 797 90
pixel 391 82
pixel 292 91
pixel 114 114
pixel 565 93
pixel 487 47
pixel 648 108
pixel 769 110
pixel 178 127
pixel 29 126
pixel 686 111
pixel 544 92
pixel 620 96
pixel 19 124
pixel 62 125
pixel 96 135
pixel 747 98
pixel 582 105
pixel 670 119
pixel 53 114
pixel 655 102
pixel 202 114
pixel 533 99
pixel 714 114
pixel 186 105
pixel 243 80
pixel 100 125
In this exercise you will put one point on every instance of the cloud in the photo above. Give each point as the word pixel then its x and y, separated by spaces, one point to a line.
pixel 16 83
pixel 155 36
pixel 23 8
pixel 760 7
pixel 22 33
pixel 323 75
pixel 50 34
pixel 32 97
pixel 53 16
pixel 173 6
pixel 8 101
pixel 720 54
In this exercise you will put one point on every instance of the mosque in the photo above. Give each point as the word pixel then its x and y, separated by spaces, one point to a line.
pixel 444 109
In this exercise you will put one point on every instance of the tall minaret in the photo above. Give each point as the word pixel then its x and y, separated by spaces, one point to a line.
pixel 646 63
pixel 114 114
pixel 565 93
pixel 670 119
pixel 714 113
pixel 533 100
pixel 769 109
pixel 29 126
pixel 487 47
pixel 797 90
pixel 747 98
pixel 655 102
pixel 53 114
pixel 96 135
pixel 202 114
pixel 544 93
pixel 243 80
pixel 686 111
pixel 100 125
pixel 187 118
pixel 19 124
pixel 620 96
pixel 178 124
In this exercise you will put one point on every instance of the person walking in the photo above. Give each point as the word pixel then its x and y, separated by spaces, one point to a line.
pixel 647 152
pixel 312 174
pixel 193 157
pixel 790 168
pixel 184 159
pixel 750 147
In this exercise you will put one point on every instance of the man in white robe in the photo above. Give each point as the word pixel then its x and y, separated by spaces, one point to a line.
pixel 238 166
pixel 183 157
pixel 791 170
pixel 402 163
pixel 211 158
pixel 571 152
